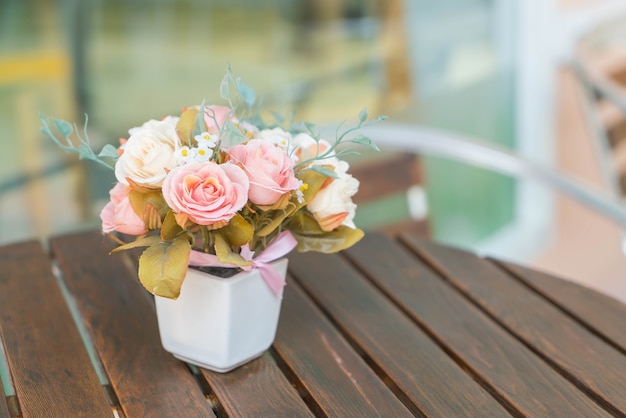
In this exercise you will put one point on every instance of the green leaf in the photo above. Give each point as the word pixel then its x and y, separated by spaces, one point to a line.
pixel 279 118
pixel 313 181
pixel 247 93
pixel 304 224
pixel 276 220
pixel 186 124
pixel 108 151
pixel 64 127
pixel 238 231
pixel 163 267
pixel 225 86
pixel 84 152
pixel 363 115
pixel 363 140
pixel 324 170
pixel 225 254
pixel 170 228
pixel 329 242
pixel 234 134
pixel 139 242
pixel 144 203
pixel 312 129
pixel 200 127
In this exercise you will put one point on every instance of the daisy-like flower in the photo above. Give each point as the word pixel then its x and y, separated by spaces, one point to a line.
pixel 203 153
pixel 207 139
pixel 249 130
pixel 186 155
pixel 300 191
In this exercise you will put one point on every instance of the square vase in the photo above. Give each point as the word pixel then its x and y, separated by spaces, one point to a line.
pixel 220 323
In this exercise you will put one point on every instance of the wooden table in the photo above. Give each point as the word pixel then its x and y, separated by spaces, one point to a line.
pixel 390 328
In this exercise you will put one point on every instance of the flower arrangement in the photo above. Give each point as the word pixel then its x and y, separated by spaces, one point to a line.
pixel 219 186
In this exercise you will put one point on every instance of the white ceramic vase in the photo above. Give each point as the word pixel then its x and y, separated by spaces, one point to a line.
pixel 220 323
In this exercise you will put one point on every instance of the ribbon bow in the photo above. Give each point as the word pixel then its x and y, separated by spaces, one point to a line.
pixel 283 244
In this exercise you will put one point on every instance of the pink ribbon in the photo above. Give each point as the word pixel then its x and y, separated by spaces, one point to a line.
pixel 283 244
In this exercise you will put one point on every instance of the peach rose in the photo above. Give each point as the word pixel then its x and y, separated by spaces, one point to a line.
pixel 206 193
pixel 269 169
pixel 118 215
pixel 150 151
pixel 305 147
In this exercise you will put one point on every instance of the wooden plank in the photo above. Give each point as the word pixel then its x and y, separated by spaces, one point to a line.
pixel 52 373
pixel 495 357
pixel 256 389
pixel 422 374
pixel 335 378
pixel 603 314
pixel 4 405
pixel 146 379
pixel 592 365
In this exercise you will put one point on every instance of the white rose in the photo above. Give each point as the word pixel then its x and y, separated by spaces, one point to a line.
pixel 332 206
pixel 148 153
pixel 276 136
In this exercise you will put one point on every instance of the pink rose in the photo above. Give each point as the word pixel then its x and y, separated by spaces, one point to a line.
pixel 213 114
pixel 269 169
pixel 118 215
pixel 206 193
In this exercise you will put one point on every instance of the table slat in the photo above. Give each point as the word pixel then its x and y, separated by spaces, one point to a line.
pixel 147 380
pixel 512 371
pixel 336 378
pixel 600 312
pixel 411 361
pixel 256 389
pixel 583 358
pixel 51 370
pixel 4 402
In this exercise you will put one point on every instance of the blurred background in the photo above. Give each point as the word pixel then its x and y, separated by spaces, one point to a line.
pixel 497 70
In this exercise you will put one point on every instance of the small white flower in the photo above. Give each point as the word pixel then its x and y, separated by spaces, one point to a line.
pixel 203 153
pixel 186 155
pixel 249 130
pixel 276 136
pixel 207 139
pixel 299 191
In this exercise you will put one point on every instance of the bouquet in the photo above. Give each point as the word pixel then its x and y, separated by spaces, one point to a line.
pixel 218 186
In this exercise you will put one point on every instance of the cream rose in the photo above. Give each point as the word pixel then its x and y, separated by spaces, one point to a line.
pixel 332 206
pixel 269 169
pixel 167 125
pixel 150 151
pixel 206 193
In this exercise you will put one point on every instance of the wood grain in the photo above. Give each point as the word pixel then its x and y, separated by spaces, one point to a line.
pixel 4 405
pixel 605 315
pixel 586 360
pixel 52 373
pixel 507 368
pixel 333 375
pixel 256 389
pixel 148 381
pixel 423 374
